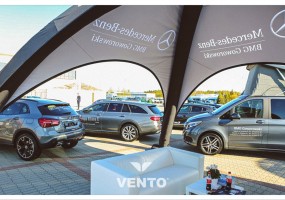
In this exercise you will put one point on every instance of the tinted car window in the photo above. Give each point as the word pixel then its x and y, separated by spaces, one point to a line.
pixel 277 108
pixel 126 108
pixel 250 109
pixel 99 107
pixel 137 109
pixel 24 109
pixel 115 107
pixel 57 109
pixel 228 105
pixel 155 110
pixel 16 108
pixel 184 109
pixel 196 109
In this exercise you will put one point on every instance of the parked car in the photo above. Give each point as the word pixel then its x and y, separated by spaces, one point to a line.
pixel 33 124
pixel 189 110
pixel 215 106
pixel 248 122
pixel 128 119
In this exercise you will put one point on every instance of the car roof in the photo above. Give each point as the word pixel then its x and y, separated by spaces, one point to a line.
pixel 197 104
pixel 42 101
pixel 125 102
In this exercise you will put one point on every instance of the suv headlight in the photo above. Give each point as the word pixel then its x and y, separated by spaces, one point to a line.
pixel 192 124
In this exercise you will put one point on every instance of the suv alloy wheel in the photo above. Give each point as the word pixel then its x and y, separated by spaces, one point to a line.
pixel 27 147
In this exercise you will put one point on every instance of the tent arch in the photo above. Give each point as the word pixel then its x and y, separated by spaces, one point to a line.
pixel 96 62
pixel 228 68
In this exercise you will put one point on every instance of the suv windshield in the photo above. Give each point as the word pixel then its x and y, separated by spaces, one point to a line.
pixel 57 109
pixel 229 104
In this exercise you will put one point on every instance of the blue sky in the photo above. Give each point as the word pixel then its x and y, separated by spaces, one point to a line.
pixel 19 23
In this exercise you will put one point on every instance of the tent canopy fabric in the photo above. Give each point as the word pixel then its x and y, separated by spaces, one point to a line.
pixel 219 37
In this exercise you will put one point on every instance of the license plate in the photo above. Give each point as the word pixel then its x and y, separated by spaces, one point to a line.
pixel 68 124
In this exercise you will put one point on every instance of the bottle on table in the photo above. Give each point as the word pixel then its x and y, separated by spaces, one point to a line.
pixel 208 181
pixel 229 181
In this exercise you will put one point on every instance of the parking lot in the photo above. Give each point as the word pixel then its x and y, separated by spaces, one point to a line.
pixel 67 172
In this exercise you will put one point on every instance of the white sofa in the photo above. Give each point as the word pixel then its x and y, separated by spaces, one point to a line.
pixel 162 171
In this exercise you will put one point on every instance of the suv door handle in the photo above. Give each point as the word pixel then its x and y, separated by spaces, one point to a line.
pixel 260 121
pixel 122 116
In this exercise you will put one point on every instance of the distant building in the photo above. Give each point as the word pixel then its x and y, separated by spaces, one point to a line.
pixel 66 87
pixel 131 96
pixel 204 98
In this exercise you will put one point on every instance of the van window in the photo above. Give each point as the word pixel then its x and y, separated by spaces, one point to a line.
pixel 229 105
pixel 250 109
pixel 278 108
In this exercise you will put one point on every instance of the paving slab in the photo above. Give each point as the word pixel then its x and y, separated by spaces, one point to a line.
pixel 60 171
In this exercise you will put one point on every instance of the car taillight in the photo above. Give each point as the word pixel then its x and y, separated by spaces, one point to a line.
pixel 46 122
pixel 155 118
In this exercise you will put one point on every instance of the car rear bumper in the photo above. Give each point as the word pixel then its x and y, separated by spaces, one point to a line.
pixel 150 133
pixel 178 125
pixel 52 141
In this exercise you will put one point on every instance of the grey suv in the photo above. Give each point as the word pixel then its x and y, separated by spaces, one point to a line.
pixel 128 119
pixel 248 122
pixel 33 124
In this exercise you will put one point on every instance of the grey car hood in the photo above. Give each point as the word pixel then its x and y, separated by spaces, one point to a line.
pixel 200 117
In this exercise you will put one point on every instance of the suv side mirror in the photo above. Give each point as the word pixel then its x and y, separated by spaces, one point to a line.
pixel 235 116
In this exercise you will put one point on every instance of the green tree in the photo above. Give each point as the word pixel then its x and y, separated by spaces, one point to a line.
pixel 158 93
pixel 224 96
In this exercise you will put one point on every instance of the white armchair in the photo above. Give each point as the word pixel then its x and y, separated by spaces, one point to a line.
pixel 159 171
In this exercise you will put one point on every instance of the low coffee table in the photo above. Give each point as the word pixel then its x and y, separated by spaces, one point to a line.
pixel 199 188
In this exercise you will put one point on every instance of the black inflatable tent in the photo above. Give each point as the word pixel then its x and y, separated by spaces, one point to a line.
pixel 180 45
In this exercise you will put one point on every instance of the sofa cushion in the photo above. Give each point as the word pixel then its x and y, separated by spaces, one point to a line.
pixel 144 162
pixel 176 177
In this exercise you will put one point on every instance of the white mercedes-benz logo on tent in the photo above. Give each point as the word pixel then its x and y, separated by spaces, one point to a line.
pixel 277 24
pixel 166 40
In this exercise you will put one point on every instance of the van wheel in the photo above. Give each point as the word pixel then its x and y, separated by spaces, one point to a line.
pixel 27 147
pixel 211 144
pixel 69 144
pixel 129 132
